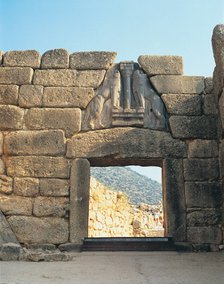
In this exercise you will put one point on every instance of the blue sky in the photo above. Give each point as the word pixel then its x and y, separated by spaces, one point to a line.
pixel 131 28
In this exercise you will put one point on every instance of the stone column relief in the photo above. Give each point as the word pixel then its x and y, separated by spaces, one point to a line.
pixel 126 98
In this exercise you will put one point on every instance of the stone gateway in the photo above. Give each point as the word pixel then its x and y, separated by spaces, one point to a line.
pixel 61 114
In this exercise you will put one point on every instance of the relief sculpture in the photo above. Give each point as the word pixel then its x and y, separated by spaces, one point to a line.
pixel 126 98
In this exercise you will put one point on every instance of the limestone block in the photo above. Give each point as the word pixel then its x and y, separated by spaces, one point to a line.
pixel 203 148
pixel 92 60
pixel 221 109
pixel 33 166
pixel 68 78
pixel 6 184
pixel 8 94
pixel 161 65
pixel 202 235
pixel 221 158
pixel 55 58
pixel 201 169
pixel 203 194
pixel 181 104
pixel 50 206
pixel 22 58
pixel 170 84
pixel 2 167
pixel 1 54
pixel 1 143
pixel 79 200
pixel 26 186
pixel 199 127
pixel 68 120
pixel 11 117
pixel 30 96
pixel 67 97
pixel 208 85
pixel 39 230
pixel 119 143
pixel 210 105
pixel 175 199
pixel 6 233
pixel 10 251
pixel 16 75
pixel 16 205
pixel 49 143
pixel 54 187
pixel 218 46
pixel 208 217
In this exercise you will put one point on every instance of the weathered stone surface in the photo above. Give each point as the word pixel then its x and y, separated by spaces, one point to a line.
pixel 33 166
pixel 22 58
pixel 30 96
pixel 203 194
pixel 1 143
pixel 170 84
pixel 55 58
pixel 161 65
pixel 221 110
pixel 203 148
pixel 6 233
pixel 70 247
pixel 48 256
pixel 202 218
pixel 200 127
pixel 1 54
pixel 120 143
pixel 202 235
pixel 175 199
pixel 68 120
pixel 8 94
pixel 67 97
pixel 44 247
pixel 39 230
pixel 218 45
pixel 210 105
pixel 16 75
pixel 201 169
pixel 16 205
pixel 221 158
pixel 2 167
pixel 79 200
pixel 182 104
pixel 68 78
pixel 29 143
pixel 50 206
pixel 11 117
pixel 6 184
pixel 208 85
pixel 10 251
pixel 92 60
pixel 54 187
pixel 26 186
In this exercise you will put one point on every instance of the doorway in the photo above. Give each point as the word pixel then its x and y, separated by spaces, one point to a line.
pixel 126 201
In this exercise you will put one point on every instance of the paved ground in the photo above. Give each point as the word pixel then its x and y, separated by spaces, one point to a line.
pixel 120 268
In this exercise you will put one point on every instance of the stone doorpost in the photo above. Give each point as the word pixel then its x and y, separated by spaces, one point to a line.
pixel 79 200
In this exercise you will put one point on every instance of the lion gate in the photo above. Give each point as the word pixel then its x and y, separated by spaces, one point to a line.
pixel 61 114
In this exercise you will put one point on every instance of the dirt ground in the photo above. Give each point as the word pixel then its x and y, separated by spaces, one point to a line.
pixel 120 268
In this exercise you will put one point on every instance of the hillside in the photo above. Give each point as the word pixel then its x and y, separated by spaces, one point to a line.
pixel 137 187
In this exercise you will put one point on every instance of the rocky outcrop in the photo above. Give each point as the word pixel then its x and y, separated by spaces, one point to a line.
pixel 112 215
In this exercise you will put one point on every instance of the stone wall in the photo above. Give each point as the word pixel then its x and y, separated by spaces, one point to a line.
pixel 61 113
pixel 218 90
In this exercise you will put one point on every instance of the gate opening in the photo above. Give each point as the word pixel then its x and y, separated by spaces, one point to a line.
pixel 126 201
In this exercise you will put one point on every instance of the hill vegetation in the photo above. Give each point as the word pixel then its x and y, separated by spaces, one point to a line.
pixel 137 187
